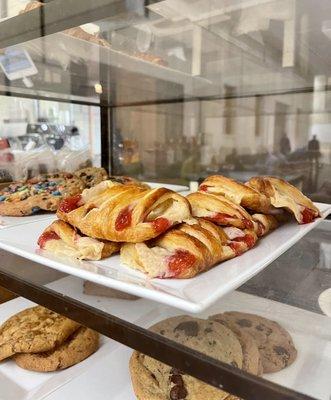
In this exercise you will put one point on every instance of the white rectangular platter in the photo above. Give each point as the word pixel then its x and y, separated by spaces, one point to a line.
pixel 311 333
pixel 192 295
pixel 7 222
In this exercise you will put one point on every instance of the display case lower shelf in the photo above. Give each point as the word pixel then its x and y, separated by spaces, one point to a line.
pixel 192 295
pixel 19 384
pixel 107 372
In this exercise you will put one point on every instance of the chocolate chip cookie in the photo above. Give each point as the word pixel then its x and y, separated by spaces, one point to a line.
pixel 34 330
pixel 207 336
pixel 274 342
pixel 80 345
pixel 252 361
pixel 91 176
pixel 42 193
pixel 153 380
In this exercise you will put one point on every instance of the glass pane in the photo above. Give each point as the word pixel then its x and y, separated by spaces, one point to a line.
pixel 174 91
pixel 39 136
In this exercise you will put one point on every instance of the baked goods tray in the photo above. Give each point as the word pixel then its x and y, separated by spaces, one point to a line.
pixel 309 374
pixel 192 295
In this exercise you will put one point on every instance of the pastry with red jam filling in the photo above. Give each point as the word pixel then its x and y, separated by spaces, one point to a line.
pixel 264 223
pixel 124 213
pixel 219 210
pixel 62 239
pixel 182 252
pixel 237 192
pixel 238 225
pixel 283 195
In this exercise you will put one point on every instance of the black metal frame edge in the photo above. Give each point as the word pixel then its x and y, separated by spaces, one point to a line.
pixel 191 362
pixel 106 119
pixel 308 89
pixel 9 93
pixel 105 131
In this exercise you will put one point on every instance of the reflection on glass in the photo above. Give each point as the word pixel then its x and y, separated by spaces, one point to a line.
pixel 274 135
pixel 41 136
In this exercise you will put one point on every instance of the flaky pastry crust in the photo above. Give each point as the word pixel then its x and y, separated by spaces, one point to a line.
pixel 264 223
pixel 182 252
pixel 62 239
pixel 125 213
pixel 284 195
pixel 237 192
pixel 220 210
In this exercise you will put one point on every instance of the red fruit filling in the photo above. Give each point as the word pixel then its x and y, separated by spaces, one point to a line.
pixel 45 237
pixel 70 203
pixel 160 225
pixel 248 223
pixel 179 262
pixel 124 219
pixel 236 247
pixel 308 215
pixel 203 188
pixel 248 239
pixel 219 218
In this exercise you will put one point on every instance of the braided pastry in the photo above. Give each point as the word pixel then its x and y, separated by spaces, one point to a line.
pixel 182 252
pixel 62 239
pixel 239 225
pixel 284 195
pixel 219 210
pixel 246 197
pixel 264 223
pixel 122 213
pixel 236 192
pixel 240 240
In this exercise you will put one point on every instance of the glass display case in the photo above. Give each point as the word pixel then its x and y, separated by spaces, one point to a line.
pixel 170 92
